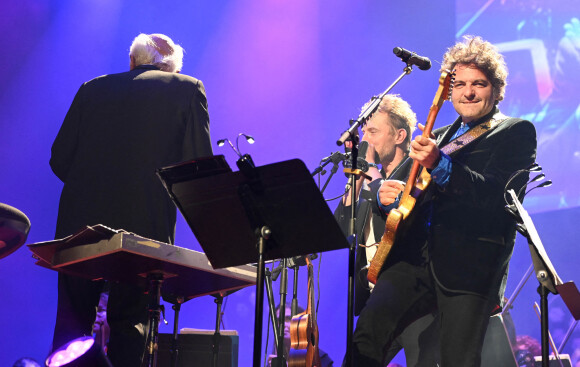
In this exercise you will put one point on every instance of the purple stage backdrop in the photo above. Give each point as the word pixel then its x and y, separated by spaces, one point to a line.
pixel 291 74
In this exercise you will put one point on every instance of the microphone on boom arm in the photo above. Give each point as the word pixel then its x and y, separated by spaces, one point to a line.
pixel 412 58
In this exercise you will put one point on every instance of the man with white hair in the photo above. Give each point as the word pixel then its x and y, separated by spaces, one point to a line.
pixel 119 129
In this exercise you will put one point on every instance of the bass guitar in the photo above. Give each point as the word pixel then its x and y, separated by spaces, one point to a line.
pixel 417 183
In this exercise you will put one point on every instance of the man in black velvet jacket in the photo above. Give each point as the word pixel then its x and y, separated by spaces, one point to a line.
pixel 388 133
pixel 119 129
pixel 454 255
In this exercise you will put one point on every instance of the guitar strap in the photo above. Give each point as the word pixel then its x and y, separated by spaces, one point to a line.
pixel 474 133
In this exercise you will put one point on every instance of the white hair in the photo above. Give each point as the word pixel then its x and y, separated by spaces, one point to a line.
pixel 144 50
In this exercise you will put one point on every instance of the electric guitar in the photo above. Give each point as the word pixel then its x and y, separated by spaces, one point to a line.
pixel 417 183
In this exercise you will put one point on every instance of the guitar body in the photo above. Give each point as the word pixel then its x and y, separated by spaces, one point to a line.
pixel 393 223
pixel 301 331
pixel 304 350
pixel 417 183
pixel 304 342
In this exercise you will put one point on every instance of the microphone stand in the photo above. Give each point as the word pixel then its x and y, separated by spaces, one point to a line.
pixel 371 108
pixel 269 276
pixel 335 158
pixel 280 359
pixel 352 135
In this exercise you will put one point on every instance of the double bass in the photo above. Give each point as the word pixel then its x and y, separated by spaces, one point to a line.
pixel 304 350
pixel 417 183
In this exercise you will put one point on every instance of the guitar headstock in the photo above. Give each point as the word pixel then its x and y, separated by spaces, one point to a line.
pixel 443 93
pixel 445 87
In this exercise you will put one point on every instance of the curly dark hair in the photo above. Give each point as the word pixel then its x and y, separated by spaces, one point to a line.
pixel 485 56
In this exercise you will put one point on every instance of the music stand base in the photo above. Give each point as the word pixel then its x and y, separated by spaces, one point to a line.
pixel 543 291
pixel 155 282
pixel 264 235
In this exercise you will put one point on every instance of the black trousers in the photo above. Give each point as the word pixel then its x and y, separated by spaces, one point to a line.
pixel 127 316
pixel 420 340
pixel 405 293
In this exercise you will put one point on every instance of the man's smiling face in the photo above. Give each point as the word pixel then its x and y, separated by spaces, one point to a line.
pixel 472 96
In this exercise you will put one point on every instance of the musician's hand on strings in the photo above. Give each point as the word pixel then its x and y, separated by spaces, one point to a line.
pixel 389 191
pixel 425 152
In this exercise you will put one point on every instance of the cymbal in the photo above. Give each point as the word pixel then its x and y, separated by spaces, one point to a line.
pixel 14 228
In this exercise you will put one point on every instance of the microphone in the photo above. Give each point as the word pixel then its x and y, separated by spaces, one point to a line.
pixel 537 178
pixel 363 146
pixel 412 58
pixel 361 162
pixel 544 184
pixel 534 167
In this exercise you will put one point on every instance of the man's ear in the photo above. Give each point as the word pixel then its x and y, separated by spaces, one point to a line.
pixel 401 135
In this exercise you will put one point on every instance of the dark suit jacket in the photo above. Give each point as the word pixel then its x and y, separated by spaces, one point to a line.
pixel 119 129
pixel 367 203
pixel 471 235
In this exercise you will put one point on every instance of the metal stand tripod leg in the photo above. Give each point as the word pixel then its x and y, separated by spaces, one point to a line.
pixel 155 282
pixel 217 336
pixel 264 235
pixel 174 341
pixel 544 322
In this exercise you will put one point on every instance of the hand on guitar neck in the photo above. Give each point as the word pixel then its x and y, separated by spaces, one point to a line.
pixel 425 152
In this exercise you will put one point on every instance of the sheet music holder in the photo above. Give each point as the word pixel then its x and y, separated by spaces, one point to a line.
pixel 228 212
pixel 290 204
pixel 545 273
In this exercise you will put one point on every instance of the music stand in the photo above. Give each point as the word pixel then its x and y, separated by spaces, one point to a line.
pixel 545 273
pixel 253 215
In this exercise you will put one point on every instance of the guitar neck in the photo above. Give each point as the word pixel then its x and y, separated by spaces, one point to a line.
pixel 311 309
pixel 433 111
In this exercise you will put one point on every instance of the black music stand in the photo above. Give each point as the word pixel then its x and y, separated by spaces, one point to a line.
pixel 545 274
pixel 253 215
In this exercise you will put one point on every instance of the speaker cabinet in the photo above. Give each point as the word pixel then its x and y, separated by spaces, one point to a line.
pixel 565 358
pixel 195 349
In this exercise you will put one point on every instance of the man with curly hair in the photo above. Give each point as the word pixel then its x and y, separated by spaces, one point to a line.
pixel 451 255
